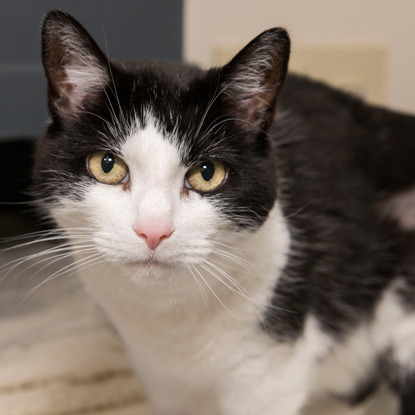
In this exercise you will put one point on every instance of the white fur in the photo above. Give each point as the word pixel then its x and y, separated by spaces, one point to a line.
pixel 399 327
pixel 347 364
pixel 402 208
pixel 83 80
pixel 250 79
pixel 350 362
pixel 84 73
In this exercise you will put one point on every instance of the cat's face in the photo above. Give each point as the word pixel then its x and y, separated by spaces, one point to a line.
pixel 158 165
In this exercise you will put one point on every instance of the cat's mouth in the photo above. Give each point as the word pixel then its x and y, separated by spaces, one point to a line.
pixel 152 261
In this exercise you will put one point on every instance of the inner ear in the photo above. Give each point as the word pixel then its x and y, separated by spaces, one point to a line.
pixel 75 67
pixel 252 80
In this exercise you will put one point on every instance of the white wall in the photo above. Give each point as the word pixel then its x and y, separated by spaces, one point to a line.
pixel 211 23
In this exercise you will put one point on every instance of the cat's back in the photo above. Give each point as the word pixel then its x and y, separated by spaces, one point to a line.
pixel 346 179
pixel 326 125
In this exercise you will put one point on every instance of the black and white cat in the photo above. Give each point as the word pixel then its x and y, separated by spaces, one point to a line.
pixel 248 265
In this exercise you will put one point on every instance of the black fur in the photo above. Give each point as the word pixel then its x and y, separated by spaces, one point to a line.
pixel 339 161
pixel 16 214
pixel 402 381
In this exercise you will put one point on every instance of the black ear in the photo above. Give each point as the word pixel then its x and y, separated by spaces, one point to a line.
pixel 75 67
pixel 253 78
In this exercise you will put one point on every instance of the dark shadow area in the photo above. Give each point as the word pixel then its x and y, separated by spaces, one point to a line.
pixel 17 212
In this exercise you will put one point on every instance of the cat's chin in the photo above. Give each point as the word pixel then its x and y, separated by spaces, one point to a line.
pixel 149 266
pixel 146 263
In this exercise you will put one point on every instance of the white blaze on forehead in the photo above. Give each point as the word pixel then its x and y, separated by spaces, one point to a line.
pixel 148 150
pixel 156 173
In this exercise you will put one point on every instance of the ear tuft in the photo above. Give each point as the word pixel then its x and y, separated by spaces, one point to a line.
pixel 253 78
pixel 75 67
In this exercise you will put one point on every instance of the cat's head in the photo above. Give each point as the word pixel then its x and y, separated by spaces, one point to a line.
pixel 157 164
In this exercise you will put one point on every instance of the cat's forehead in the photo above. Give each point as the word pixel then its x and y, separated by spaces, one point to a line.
pixel 151 148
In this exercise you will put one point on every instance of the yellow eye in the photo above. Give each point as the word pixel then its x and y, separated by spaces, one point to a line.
pixel 206 176
pixel 107 168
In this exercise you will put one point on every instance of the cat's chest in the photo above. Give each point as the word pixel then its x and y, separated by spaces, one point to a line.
pixel 219 359
pixel 207 330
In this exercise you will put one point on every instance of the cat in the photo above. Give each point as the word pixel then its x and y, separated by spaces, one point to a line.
pixel 252 242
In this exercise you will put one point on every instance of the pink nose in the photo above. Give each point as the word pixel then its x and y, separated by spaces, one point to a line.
pixel 154 234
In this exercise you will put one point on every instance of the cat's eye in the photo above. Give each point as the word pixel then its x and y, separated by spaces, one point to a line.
pixel 206 176
pixel 107 168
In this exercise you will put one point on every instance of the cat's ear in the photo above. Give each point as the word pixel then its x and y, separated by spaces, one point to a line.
pixel 75 67
pixel 253 78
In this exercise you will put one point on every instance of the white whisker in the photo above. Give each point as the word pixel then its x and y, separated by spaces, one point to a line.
pixel 206 267
pixel 57 258
pixel 71 268
pixel 214 294
pixel 202 290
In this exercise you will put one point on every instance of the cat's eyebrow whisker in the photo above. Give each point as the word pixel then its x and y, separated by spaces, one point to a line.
pixel 96 115
pixel 113 132
pixel 114 117
pixel 216 123
pixel 217 143
pixel 216 95
pixel 113 89
pixel 222 121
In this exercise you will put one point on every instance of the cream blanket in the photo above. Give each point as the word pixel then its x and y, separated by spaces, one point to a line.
pixel 60 356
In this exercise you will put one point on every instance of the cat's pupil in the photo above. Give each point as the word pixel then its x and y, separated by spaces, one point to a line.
pixel 107 163
pixel 207 170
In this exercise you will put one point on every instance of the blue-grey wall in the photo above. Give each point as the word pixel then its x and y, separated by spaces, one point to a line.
pixel 127 29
